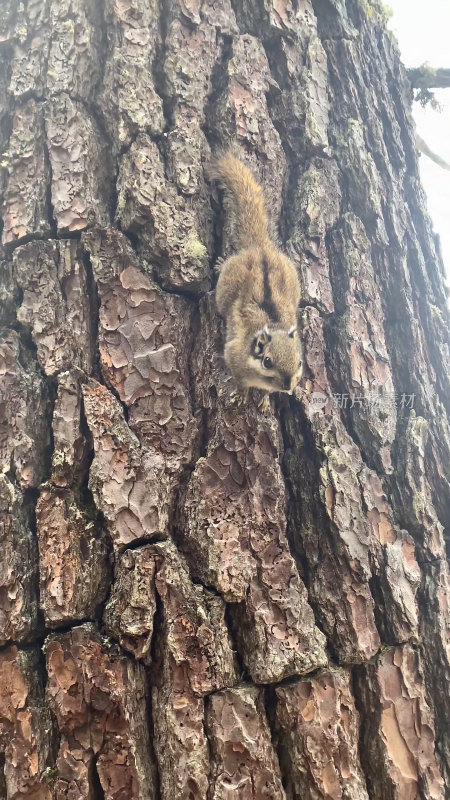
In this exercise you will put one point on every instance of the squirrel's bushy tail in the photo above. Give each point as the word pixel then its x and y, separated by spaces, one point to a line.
pixel 244 198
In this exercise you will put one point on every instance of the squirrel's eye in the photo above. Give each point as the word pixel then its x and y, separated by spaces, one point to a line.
pixel 267 362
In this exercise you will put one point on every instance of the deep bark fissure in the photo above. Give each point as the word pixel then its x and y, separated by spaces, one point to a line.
pixel 361 710
pixel 155 539
pixel 50 209
pixel 159 66
pixel 231 609
pixel 219 83
pixel 94 311
pixel 209 744
pixel 30 499
pixel 31 237
pixel 3 794
pixel 151 726
pixel 294 531
pixel 95 785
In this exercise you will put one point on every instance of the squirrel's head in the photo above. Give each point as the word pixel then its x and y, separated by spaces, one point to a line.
pixel 275 360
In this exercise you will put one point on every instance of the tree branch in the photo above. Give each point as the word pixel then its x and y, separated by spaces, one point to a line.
pixel 425 77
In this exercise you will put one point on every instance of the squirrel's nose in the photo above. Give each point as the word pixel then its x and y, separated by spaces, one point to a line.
pixel 287 382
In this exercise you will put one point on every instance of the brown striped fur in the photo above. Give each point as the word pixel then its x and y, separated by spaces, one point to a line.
pixel 257 292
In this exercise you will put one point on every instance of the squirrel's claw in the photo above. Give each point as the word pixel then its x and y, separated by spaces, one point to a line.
pixel 218 265
pixel 239 398
pixel 264 404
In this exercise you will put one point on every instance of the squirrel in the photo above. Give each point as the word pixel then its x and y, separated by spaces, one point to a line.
pixel 257 292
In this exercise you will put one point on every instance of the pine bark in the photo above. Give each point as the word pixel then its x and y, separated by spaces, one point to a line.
pixel 200 601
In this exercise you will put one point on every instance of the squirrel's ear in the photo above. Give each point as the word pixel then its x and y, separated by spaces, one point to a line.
pixel 260 341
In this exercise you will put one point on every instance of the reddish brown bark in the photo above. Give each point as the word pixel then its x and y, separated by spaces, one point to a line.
pixel 200 601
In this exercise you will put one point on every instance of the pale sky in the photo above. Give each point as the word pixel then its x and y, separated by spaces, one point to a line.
pixel 423 33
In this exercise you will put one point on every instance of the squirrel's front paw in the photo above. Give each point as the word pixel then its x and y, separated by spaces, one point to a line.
pixel 264 404
pixel 218 265
pixel 239 398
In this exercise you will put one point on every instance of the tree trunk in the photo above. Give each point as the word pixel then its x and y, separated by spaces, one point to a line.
pixel 199 600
